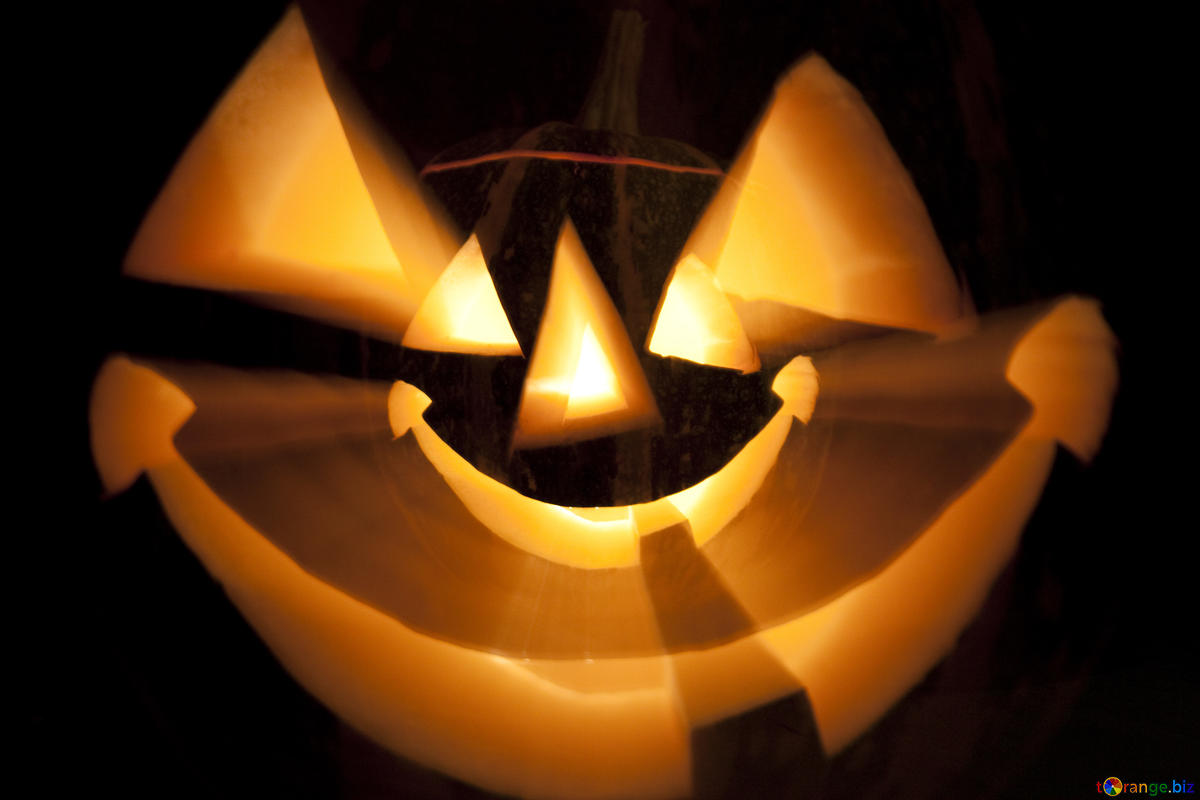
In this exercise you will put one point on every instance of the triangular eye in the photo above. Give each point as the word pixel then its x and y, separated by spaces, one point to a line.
pixel 695 321
pixel 462 312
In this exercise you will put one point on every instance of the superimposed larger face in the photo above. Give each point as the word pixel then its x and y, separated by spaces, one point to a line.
pixel 654 444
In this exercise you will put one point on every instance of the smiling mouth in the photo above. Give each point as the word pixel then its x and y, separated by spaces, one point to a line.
pixel 608 536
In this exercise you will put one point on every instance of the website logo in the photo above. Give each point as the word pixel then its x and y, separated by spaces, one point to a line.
pixel 1115 786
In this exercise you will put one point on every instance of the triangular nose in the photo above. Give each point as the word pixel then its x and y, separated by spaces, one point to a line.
pixel 584 379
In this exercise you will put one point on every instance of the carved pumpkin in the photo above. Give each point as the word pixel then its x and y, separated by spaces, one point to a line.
pixel 728 440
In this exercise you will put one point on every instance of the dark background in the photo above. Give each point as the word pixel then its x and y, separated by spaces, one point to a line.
pixel 1015 122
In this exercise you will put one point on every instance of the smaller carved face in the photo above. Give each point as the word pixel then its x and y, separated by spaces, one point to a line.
pixel 574 350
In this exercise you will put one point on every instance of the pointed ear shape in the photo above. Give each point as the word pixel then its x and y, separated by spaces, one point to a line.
pixel 270 198
pixel 818 213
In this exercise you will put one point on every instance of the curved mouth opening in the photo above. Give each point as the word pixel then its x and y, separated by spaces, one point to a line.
pixel 598 537
pixel 702 418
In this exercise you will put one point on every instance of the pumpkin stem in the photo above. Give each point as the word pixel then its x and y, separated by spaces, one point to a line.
pixel 612 100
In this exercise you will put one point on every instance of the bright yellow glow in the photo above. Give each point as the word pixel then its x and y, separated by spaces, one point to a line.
pixel 462 312
pixel 695 321
pixel 595 388
pixel 584 379
pixel 818 212
pixel 268 199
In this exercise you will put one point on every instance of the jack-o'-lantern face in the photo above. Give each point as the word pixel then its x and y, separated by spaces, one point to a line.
pixel 579 360
pixel 656 444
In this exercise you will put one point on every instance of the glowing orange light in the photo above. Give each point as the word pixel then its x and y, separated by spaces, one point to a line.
pixel 608 537
pixel 818 212
pixel 595 388
pixel 695 321
pixel 283 195
pixel 462 313
pixel 854 655
pixel 584 379
pixel 269 198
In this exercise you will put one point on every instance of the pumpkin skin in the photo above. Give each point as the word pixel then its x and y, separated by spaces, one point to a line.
pixel 461 770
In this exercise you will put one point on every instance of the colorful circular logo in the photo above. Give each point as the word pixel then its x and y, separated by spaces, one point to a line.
pixel 1113 786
